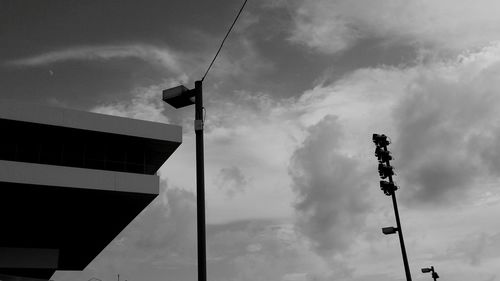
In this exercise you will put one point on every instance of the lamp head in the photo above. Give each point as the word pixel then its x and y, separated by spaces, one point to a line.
pixel 385 171
pixel 179 96
pixel 380 140
pixel 388 187
pixel 382 155
pixel 426 270
pixel 389 230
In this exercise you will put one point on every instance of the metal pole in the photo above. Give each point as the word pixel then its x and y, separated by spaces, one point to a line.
pixel 401 241
pixel 432 272
pixel 400 230
pixel 200 182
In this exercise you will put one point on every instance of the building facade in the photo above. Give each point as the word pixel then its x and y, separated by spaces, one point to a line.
pixel 70 181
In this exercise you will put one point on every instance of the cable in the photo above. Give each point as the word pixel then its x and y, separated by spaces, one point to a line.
pixel 224 40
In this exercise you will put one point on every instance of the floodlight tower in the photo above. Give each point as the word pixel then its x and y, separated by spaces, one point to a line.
pixel 179 97
pixel 386 171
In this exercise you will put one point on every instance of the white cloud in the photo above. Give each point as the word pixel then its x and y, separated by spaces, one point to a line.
pixel 441 117
pixel 333 26
pixel 447 126
pixel 144 106
pixel 163 57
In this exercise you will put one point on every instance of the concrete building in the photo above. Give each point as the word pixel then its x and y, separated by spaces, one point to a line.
pixel 70 181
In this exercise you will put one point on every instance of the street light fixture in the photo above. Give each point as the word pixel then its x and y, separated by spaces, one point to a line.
pixel 178 97
pixel 389 230
pixel 434 274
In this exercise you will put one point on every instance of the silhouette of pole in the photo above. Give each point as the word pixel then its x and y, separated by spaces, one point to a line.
pixel 390 189
pixel 179 97
pixel 200 182
pixel 398 225
pixel 401 240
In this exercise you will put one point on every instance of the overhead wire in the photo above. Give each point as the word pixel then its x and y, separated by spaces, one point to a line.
pixel 224 40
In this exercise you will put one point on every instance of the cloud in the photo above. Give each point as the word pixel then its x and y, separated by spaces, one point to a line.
pixel 330 204
pixel 167 234
pixel 266 250
pixel 332 26
pixel 145 104
pixel 241 59
pixel 440 115
pixel 447 126
pixel 472 248
pixel 231 180
pixel 154 55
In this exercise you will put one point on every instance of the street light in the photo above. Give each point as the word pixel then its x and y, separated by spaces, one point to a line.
pixel 389 230
pixel 434 274
pixel 178 97
pixel 386 171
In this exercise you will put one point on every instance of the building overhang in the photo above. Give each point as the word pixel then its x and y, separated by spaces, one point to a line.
pixel 68 219
pixel 70 182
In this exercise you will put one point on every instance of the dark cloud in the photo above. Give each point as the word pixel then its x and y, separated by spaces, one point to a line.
pixel 331 204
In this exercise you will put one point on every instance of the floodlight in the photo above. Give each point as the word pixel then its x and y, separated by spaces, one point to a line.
pixel 382 155
pixel 389 230
pixel 380 140
pixel 388 187
pixel 179 96
pixel 385 171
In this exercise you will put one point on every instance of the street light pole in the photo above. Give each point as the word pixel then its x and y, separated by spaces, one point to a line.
pixel 398 223
pixel 200 181
pixel 179 97
pixel 400 233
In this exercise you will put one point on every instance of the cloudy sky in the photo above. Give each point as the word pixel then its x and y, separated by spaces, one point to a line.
pixel 292 185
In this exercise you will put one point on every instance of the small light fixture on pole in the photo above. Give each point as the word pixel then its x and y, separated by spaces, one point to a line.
pixel 389 230
pixel 178 97
pixel 434 275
